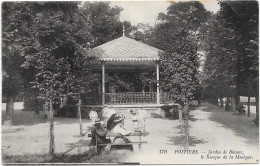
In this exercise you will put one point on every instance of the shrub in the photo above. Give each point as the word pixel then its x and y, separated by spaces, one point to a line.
pixel 193 103
pixel 171 111
pixel 71 101
pixel 67 111
pixel 33 104
pixel 85 112
pixel 154 115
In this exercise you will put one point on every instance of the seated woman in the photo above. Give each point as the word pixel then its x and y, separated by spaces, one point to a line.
pixel 118 127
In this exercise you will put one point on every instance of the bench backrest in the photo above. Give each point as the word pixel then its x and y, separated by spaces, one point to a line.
pixel 131 134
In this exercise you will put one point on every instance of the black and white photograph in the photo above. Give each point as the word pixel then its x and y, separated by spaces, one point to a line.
pixel 129 82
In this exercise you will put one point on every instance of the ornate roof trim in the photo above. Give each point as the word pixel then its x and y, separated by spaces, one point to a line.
pixel 129 59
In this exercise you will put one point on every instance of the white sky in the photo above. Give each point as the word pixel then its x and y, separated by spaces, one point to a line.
pixel 147 11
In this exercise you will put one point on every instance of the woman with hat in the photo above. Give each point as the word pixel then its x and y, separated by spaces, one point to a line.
pixel 119 125
pixel 119 129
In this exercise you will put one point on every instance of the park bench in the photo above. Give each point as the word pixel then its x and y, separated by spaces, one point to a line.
pixel 138 134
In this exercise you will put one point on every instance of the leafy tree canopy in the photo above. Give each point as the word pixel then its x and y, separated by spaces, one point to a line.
pixel 178 33
pixel 103 20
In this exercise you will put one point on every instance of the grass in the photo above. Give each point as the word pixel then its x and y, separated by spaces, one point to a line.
pixel 88 157
pixel 25 158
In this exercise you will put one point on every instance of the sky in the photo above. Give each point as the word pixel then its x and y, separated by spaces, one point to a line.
pixel 147 11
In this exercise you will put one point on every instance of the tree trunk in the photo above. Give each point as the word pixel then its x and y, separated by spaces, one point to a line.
pixel 248 106
pixel 221 102
pixel 52 145
pixel 79 115
pixel 257 110
pixel 233 104
pixel 9 110
pixel 237 102
pixel 228 100
pixel 214 100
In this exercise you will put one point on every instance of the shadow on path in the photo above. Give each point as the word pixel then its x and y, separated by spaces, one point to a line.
pixel 79 144
pixel 13 130
pixel 193 119
pixel 181 141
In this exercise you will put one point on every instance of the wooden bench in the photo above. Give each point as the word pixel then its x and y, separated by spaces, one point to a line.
pixel 138 134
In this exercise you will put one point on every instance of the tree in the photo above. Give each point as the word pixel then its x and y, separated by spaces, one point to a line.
pixel 103 20
pixel 178 35
pixel 234 38
pixel 243 19
pixel 61 36
pixel 219 79
pixel 144 33
pixel 15 40
pixel 12 83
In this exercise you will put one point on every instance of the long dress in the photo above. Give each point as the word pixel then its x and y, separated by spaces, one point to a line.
pixel 119 129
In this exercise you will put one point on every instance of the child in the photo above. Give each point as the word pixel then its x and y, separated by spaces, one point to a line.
pixel 135 120
pixel 141 119
pixel 93 116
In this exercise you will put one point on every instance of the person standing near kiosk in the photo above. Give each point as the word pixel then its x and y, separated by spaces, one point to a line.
pixel 142 119
pixel 107 113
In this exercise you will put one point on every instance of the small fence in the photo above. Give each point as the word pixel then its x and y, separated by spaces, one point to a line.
pixel 131 98
pixel 137 98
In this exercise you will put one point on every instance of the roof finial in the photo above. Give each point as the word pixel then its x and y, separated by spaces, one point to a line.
pixel 124 30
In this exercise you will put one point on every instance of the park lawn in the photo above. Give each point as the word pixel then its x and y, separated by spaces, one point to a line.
pixel 87 157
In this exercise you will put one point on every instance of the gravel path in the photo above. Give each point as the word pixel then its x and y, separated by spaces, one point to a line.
pixel 204 135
